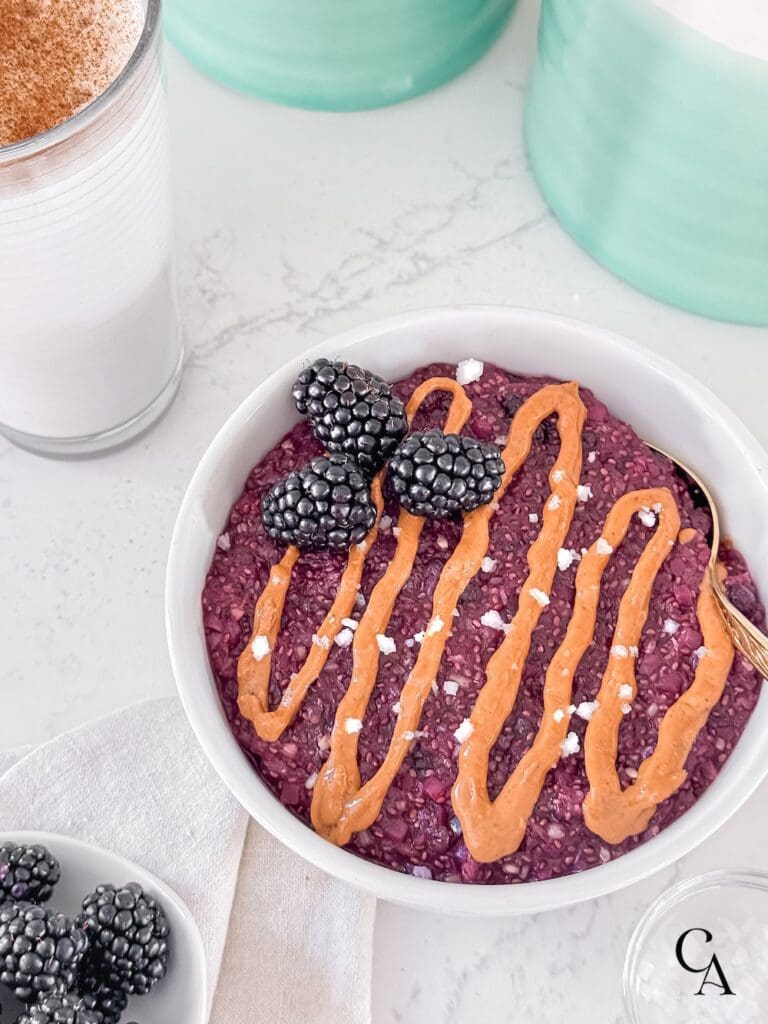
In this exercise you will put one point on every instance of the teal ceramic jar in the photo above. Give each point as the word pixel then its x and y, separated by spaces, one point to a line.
pixel 648 139
pixel 334 54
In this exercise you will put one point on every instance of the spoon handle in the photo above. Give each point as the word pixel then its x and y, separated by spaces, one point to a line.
pixel 747 638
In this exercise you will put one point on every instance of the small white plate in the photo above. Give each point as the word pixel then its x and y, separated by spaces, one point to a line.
pixel 182 994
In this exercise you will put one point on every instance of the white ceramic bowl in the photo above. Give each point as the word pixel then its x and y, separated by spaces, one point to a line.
pixel 183 994
pixel 664 405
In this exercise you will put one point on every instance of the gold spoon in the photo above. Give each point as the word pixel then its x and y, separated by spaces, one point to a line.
pixel 746 637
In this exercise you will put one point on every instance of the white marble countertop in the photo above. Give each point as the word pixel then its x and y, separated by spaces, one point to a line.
pixel 294 225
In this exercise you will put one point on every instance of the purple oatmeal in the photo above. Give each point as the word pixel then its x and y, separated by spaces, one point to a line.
pixel 416 830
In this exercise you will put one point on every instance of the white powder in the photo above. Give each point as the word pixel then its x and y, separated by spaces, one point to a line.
pixel 352 725
pixel 602 547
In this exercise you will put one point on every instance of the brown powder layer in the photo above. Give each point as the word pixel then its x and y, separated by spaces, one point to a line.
pixel 56 56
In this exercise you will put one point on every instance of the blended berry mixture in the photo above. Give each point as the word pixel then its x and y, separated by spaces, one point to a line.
pixel 417 831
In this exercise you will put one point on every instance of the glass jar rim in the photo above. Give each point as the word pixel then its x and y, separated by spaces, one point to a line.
pixel 65 130
pixel 752 878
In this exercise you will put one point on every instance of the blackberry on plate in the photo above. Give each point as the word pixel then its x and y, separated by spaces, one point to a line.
pixel 109 1003
pixel 325 504
pixel 40 950
pixel 352 411
pixel 27 873
pixel 437 475
pixel 128 934
pixel 56 1009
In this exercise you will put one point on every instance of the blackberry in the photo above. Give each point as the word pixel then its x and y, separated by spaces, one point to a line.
pixel 54 1009
pixel 108 1003
pixel 326 504
pixel 437 475
pixel 128 934
pixel 27 873
pixel 352 411
pixel 40 950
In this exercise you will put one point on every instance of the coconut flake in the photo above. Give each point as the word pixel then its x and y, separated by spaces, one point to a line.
pixel 602 547
pixel 321 641
pixel 591 457
pixel 626 708
pixel 570 745
pixel 587 708
pixel 352 725
pixel 558 475
pixel 344 638
pixel 558 715
pixel 397 707
pixel 260 647
pixel 350 624
pixel 566 557
pixel 309 782
pixel 419 637
pixel 385 523
pixel 224 542
pixel 619 651
pixel 625 692
pixel 533 517
pixel 670 627
pixel 539 596
pixel 488 564
pixel 451 687
pixel 492 620
pixel 583 492
pixel 647 517
pixel 554 502
pixel 464 731
pixel 469 370
pixel 435 626
pixel 700 652
pixel 386 644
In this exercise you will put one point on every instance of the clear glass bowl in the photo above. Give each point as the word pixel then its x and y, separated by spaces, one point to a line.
pixel 700 953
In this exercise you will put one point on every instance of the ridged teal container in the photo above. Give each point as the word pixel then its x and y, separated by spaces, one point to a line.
pixel 650 143
pixel 334 54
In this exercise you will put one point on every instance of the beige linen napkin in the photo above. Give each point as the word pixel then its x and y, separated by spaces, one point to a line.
pixel 287 944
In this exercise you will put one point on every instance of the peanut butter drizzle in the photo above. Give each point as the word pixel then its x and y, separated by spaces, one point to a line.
pixel 492 829
pixel 340 805
pixel 253 675
pixel 613 813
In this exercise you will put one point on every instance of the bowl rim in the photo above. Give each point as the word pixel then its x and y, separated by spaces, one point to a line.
pixel 55 841
pixel 232 765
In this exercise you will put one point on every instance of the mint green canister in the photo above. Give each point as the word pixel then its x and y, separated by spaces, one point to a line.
pixel 647 130
pixel 334 54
